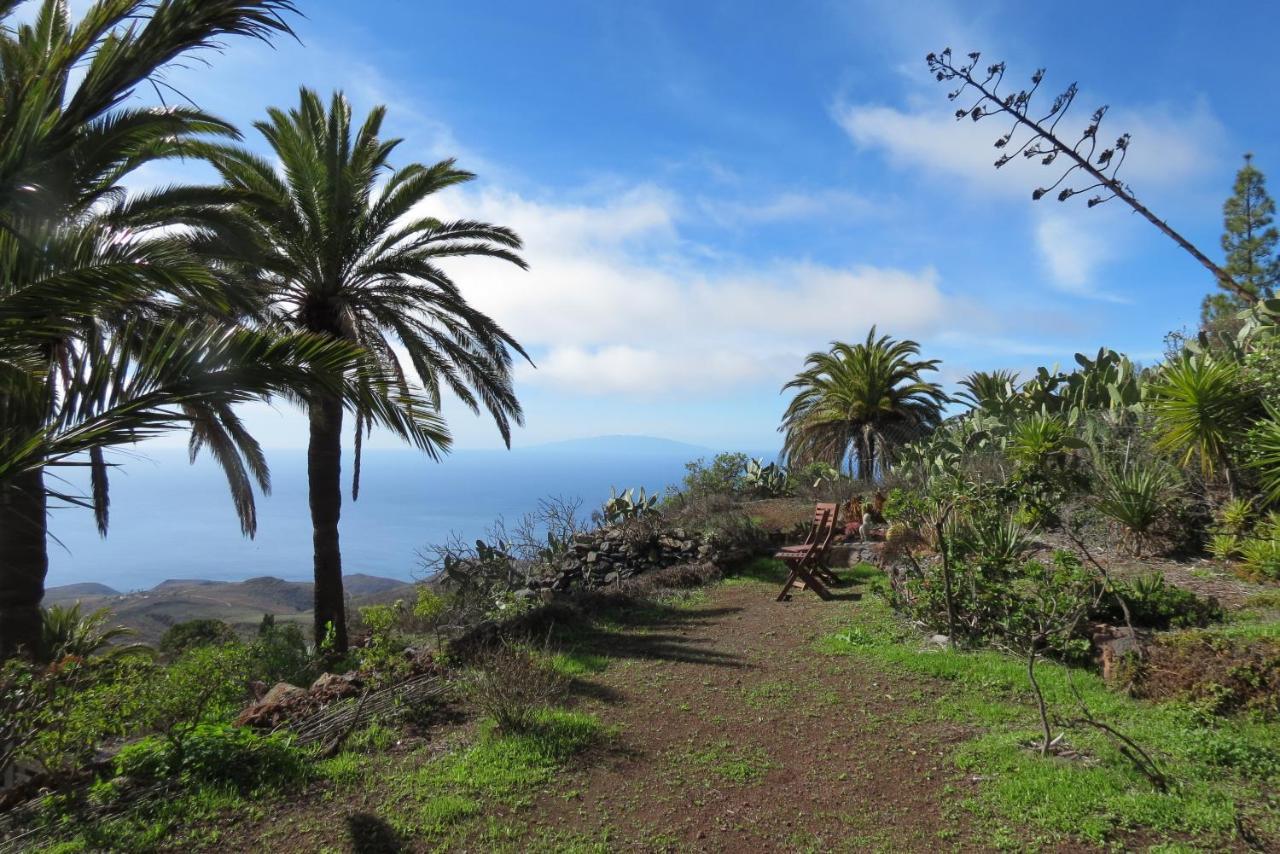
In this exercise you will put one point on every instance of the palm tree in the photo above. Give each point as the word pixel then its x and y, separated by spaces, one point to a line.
pixel 80 261
pixel 856 402
pixel 993 392
pixel 1202 408
pixel 345 252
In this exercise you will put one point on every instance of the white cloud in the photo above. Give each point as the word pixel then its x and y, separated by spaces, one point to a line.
pixel 787 207
pixel 617 301
pixel 1072 249
pixel 1167 149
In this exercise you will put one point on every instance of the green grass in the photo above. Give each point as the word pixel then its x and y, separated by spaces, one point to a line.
pixel 729 762
pixel 1221 768
pixel 761 570
pixel 770 695
pixel 440 798
pixel 575 664
pixel 182 820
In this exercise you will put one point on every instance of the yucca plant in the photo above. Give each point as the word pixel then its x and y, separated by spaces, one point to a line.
pixel 1261 556
pixel 1265 461
pixel 1041 439
pixel 1224 546
pixel 1135 496
pixel 1202 409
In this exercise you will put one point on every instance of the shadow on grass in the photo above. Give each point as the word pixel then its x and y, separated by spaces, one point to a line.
pixel 371 835
pixel 651 631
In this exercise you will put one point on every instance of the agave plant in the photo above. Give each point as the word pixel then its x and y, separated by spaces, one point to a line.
pixel 1261 556
pixel 1135 496
pixel 992 539
pixel 1224 546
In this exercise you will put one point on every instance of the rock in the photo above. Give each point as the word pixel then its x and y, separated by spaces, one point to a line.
pixel 1112 644
pixel 611 578
pixel 940 640
pixel 592 557
pixel 334 686
pixel 525 593
pixel 283 702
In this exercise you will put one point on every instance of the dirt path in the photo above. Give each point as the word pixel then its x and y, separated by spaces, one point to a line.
pixel 736 735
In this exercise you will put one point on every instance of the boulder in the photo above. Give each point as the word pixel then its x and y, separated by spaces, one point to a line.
pixel 282 702
pixel 329 687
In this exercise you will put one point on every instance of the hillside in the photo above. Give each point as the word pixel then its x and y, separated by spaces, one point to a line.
pixel 241 603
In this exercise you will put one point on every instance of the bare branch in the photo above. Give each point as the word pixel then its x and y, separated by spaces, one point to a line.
pixel 1045 143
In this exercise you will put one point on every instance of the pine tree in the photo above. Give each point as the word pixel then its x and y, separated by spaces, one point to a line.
pixel 1249 241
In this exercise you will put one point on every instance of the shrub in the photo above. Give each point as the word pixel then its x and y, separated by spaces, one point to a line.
pixel 280 654
pixel 1155 604
pixel 511 684
pixel 216 753
pixel 58 715
pixel 723 476
pixel 181 637
pixel 208 684
pixel 1135 497
pixel 1261 556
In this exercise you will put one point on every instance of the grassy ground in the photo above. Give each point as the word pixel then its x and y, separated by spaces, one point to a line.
pixel 723 721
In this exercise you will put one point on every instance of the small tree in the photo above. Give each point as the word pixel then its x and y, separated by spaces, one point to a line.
pixel 1042 609
pixel 1249 241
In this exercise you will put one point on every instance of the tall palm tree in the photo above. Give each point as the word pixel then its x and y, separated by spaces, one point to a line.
pixel 74 271
pixel 856 402
pixel 345 252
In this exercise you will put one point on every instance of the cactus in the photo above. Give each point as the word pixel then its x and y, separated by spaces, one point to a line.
pixel 766 480
pixel 628 506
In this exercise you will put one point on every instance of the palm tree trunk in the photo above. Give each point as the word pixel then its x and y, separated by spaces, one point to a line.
pixel 324 475
pixel 24 562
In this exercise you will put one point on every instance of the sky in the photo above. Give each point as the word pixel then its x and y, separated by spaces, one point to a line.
pixel 709 191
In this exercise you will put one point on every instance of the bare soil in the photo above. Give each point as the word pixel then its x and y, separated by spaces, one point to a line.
pixel 732 734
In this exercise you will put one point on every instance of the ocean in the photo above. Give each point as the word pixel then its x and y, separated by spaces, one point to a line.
pixel 170 519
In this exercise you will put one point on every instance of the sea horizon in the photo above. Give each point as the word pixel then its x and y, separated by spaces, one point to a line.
pixel 174 520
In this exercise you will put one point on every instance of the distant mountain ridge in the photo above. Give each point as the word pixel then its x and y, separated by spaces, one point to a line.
pixel 622 443
pixel 241 603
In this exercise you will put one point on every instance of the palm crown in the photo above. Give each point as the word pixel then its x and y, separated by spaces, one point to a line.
pixel 341 249
pixel 855 402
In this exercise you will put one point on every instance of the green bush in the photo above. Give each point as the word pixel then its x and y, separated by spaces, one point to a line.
pixel 1261 556
pixel 723 476
pixel 216 753
pixel 181 637
pixel 1155 604
pixel 58 715
pixel 280 654
pixel 208 684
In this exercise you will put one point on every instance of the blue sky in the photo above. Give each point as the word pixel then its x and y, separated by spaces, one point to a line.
pixel 710 190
